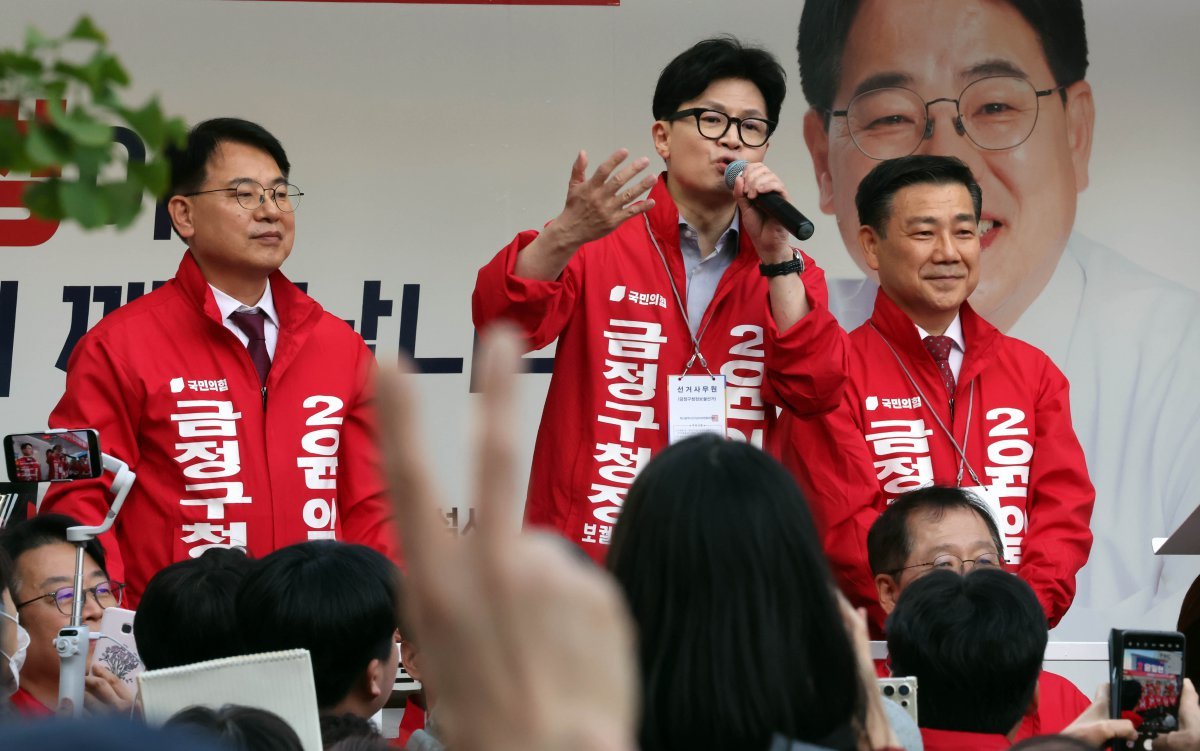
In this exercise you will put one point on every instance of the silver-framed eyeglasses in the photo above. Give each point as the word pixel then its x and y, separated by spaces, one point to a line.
pixel 712 124
pixel 996 113
pixel 948 562
pixel 251 194
pixel 107 595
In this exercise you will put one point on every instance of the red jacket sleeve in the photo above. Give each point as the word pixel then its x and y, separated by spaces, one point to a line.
pixel 99 395
pixel 807 364
pixel 1059 508
pixel 831 461
pixel 542 309
pixel 363 502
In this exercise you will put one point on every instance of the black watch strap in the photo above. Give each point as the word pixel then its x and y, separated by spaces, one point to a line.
pixel 794 266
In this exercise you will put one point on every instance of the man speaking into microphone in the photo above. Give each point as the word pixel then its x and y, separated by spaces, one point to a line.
pixel 687 311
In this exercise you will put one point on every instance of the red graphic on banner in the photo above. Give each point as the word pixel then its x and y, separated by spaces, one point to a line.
pixel 30 230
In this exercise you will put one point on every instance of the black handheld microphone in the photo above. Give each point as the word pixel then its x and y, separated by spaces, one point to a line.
pixel 774 205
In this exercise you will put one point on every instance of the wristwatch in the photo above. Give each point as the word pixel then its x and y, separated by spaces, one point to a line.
pixel 794 266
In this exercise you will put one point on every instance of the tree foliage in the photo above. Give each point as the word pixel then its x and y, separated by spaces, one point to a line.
pixel 60 99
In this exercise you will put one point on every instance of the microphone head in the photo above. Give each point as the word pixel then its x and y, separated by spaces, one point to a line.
pixel 733 170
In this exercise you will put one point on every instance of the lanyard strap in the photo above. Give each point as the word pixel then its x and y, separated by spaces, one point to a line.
pixel 696 354
pixel 962 450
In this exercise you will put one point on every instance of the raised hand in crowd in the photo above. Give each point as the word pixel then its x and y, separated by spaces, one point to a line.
pixel 595 206
pixel 879 731
pixel 533 648
pixel 1187 737
pixel 1095 726
pixel 105 691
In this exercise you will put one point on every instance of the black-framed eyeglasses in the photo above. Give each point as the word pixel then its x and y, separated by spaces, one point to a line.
pixel 996 113
pixel 948 562
pixel 712 124
pixel 107 595
pixel 251 194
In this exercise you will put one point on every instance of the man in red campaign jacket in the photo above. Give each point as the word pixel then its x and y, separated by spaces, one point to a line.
pixel 937 395
pixel 28 467
pixel 243 406
pixel 691 281
pixel 941 527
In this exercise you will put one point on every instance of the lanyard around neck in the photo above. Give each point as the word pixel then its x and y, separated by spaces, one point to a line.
pixel 696 354
pixel 962 450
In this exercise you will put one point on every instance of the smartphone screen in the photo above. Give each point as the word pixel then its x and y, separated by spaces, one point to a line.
pixel 52 455
pixel 1151 680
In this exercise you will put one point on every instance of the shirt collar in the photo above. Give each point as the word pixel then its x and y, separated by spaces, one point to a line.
pixel 729 235
pixel 227 304
pixel 954 331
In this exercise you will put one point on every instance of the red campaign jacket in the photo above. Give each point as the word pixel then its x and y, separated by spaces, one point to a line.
pixel 621 334
pixel 220 462
pixel 883 440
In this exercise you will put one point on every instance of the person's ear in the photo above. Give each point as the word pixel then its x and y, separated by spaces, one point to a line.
pixel 868 240
pixel 373 676
pixel 180 210
pixel 1081 122
pixel 888 591
pixel 661 135
pixel 816 136
pixel 409 658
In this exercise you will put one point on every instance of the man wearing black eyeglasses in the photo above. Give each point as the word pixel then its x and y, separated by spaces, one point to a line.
pixel 1002 86
pixel 242 405
pixel 684 312
pixel 43 592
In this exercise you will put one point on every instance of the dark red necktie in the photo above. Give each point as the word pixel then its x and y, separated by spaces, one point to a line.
pixel 939 347
pixel 251 323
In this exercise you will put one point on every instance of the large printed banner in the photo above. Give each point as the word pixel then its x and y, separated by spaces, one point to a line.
pixel 426 135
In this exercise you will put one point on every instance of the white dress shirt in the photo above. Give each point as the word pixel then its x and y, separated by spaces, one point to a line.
pixel 266 304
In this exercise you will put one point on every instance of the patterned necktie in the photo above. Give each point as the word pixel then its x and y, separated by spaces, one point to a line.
pixel 939 347
pixel 251 323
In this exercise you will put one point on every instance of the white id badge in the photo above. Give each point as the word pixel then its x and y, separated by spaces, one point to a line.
pixel 696 404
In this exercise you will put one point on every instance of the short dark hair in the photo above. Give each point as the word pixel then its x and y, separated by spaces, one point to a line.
pixel 339 727
pixel 975 644
pixel 39 531
pixel 238 727
pixel 880 186
pixel 738 626
pixel 696 68
pixel 26 445
pixel 186 615
pixel 889 543
pixel 335 599
pixel 189 163
pixel 825 26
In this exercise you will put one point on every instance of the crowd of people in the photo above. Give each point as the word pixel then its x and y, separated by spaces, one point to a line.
pixel 917 480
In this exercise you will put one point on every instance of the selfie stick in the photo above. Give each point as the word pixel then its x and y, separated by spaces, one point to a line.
pixel 72 641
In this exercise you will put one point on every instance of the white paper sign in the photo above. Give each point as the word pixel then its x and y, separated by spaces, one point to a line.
pixel 696 405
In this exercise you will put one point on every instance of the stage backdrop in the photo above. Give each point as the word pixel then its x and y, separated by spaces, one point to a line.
pixel 426 136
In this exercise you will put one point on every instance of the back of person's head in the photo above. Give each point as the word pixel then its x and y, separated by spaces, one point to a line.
pixel 239 728
pixel 738 626
pixel 189 163
pixel 339 727
pixel 187 615
pixel 877 191
pixel 889 541
pixel 335 599
pixel 975 644
pixel 696 68
pixel 38 531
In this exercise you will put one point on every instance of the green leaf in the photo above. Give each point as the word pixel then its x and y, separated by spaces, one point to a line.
pixel 84 130
pixel 124 202
pixel 12 145
pixel 36 40
pixel 154 176
pixel 147 122
pixel 41 198
pixel 46 146
pixel 86 29
pixel 83 203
